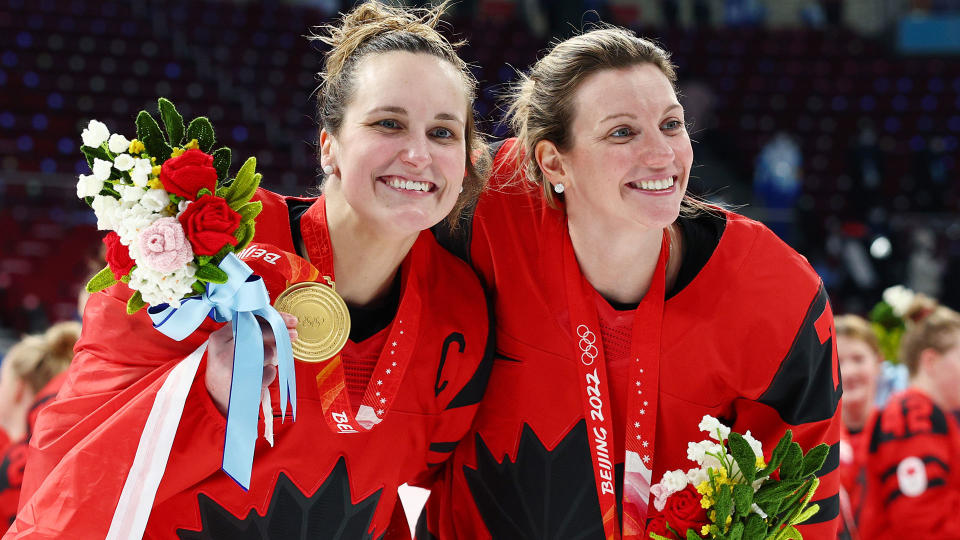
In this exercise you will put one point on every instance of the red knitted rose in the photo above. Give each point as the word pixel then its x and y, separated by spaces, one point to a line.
pixel 684 511
pixel 187 174
pixel 118 256
pixel 210 223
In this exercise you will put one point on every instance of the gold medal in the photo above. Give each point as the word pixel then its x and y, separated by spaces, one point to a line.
pixel 323 319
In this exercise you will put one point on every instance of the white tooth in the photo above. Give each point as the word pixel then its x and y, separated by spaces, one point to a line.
pixel 645 185
pixel 670 182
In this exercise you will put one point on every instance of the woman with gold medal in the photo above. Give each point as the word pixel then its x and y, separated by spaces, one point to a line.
pixel 390 331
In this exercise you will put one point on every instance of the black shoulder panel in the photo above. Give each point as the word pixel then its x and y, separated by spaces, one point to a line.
pixel 807 386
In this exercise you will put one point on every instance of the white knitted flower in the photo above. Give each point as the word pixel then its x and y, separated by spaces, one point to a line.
pixel 88 186
pixel 107 209
pixel 131 220
pixel 899 298
pixel 672 482
pixel 712 426
pixel 101 169
pixel 95 134
pixel 755 445
pixel 123 162
pixel 155 200
pixel 697 476
pixel 118 143
pixel 141 172
pixel 162 288
pixel 704 453
pixel 130 194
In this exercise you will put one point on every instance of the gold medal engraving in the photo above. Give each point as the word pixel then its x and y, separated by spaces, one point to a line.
pixel 323 320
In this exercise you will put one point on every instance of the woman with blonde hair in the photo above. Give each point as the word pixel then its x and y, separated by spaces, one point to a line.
pixel 395 106
pixel 27 370
pixel 913 455
pixel 625 312
pixel 861 365
pixel 30 377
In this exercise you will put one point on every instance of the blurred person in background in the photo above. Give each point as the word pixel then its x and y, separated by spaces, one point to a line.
pixel 858 351
pixel 30 376
pixel 913 452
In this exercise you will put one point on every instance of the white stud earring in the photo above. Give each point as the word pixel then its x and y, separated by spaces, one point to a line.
pixel 558 188
pixel 328 169
pixel 461 189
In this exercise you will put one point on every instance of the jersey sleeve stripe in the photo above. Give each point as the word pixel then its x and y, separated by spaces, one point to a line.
pixel 829 509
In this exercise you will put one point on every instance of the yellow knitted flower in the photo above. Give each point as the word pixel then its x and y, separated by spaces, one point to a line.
pixel 136 147
pixel 177 152
pixel 192 145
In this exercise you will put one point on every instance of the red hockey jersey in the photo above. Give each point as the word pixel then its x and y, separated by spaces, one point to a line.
pixel 913 471
pixel 313 483
pixel 748 340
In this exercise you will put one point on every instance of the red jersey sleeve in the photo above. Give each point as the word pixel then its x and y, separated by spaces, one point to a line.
pixel 804 396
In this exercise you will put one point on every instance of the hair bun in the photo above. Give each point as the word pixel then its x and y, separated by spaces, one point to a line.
pixel 921 307
pixel 368 21
pixel 61 338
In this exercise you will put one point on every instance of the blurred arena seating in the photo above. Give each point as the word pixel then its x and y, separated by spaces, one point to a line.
pixel 249 68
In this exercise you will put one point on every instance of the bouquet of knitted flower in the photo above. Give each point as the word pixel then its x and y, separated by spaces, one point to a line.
pixel 172 210
pixel 733 494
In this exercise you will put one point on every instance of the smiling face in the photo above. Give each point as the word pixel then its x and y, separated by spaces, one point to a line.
pixel 399 156
pixel 630 155
pixel 860 368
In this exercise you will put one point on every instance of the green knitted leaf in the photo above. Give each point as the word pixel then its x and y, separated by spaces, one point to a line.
pixel 792 463
pixel 807 513
pixel 221 162
pixel 244 186
pixel 198 287
pixel 250 211
pixel 755 527
pixel 742 499
pixel 94 153
pixel 779 452
pixel 736 532
pixel 211 273
pixel 244 235
pixel 790 533
pixel 148 132
pixel 723 504
pixel 172 121
pixel 743 454
pixel 135 303
pixel 814 459
pixel 201 130
pixel 101 281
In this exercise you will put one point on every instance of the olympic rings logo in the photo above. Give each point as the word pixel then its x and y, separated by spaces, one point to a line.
pixel 589 351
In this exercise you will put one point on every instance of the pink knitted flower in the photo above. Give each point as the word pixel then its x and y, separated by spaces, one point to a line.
pixel 164 246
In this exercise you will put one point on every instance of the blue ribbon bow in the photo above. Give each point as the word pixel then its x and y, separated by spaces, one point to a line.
pixel 240 299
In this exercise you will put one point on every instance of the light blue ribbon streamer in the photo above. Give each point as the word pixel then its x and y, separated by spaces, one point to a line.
pixel 240 299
